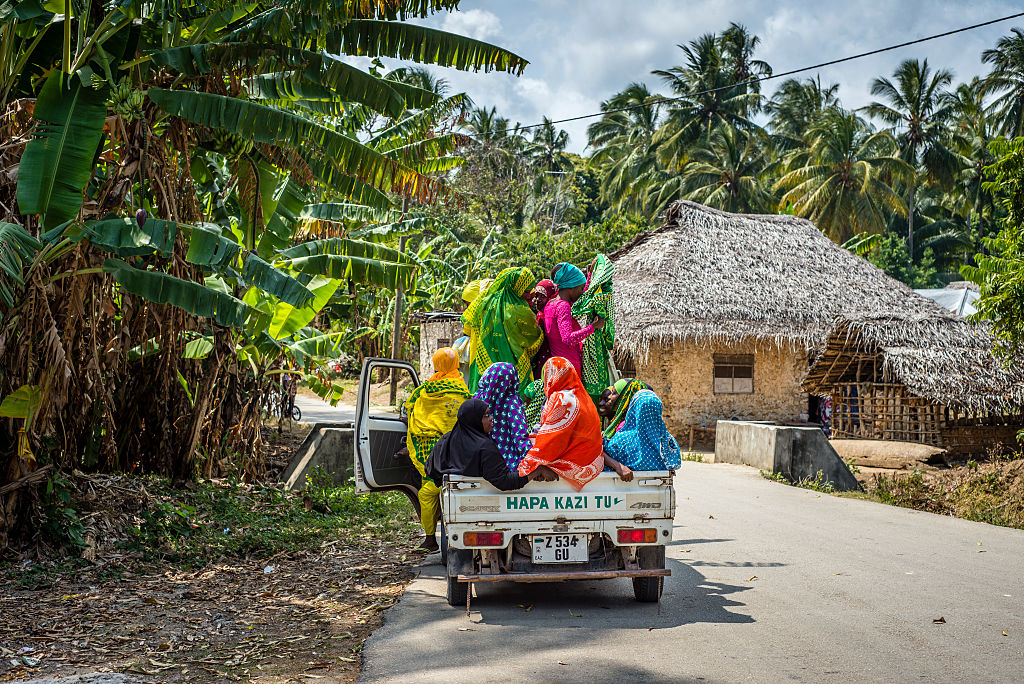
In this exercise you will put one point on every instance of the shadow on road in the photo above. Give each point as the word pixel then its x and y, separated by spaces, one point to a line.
pixel 689 542
pixel 689 597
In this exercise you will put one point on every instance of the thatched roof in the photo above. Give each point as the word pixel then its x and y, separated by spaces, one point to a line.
pixel 708 275
pixel 940 357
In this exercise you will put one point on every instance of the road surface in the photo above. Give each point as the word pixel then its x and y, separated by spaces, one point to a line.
pixel 769 583
pixel 316 410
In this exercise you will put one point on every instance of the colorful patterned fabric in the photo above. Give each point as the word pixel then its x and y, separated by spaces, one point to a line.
pixel 446 365
pixel 502 327
pixel 569 438
pixel 499 387
pixel 644 442
pixel 533 400
pixel 433 408
pixel 597 302
pixel 622 406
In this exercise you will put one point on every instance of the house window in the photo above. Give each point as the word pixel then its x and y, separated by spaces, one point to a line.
pixel 734 373
pixel 442 343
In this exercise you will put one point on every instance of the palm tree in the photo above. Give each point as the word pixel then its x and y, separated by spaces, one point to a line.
pixel 621 141
pixel 844 180
pixel 727 172
pixel 797 105
pixel 918 108
pixel 1007 80
pixel 738 46
pixel 709 96
pixel 548 147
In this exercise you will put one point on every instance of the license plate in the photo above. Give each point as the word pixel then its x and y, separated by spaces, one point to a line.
pixel 560 548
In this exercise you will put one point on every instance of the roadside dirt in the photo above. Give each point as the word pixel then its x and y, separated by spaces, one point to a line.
pixel 299 617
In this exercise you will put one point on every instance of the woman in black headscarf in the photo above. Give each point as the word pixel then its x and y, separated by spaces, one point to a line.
pixel 469 450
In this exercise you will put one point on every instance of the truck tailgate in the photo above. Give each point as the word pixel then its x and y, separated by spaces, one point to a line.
pixel 474 500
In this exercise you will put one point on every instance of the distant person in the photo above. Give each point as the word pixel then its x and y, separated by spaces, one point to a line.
pixel 499 388
pixel 569 437
pixel 469 450
pixel 643 443
pixel 502 327
pixel 543 293
pixel 613 403
pixel 563 332
pixel 432 409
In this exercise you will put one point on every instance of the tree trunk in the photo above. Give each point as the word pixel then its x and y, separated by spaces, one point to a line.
pixel 910 223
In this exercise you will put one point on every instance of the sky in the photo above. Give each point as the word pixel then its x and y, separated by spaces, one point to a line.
pixel 583 51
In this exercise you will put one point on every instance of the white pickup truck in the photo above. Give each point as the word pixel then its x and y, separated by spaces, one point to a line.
pixel 544 532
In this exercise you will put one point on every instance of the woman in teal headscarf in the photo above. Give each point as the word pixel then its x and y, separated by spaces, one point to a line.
pixel 597 303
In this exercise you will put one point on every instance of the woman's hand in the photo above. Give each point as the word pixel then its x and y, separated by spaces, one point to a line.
pixel 544 474
pixel 599 323
pixel 625 474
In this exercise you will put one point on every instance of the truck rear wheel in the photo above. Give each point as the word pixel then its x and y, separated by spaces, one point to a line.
pixel 460 561
pixel 648 589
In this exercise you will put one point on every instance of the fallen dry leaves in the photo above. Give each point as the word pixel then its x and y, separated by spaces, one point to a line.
pixel 230 621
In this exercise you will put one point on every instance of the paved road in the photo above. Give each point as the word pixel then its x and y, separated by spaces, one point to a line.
pixel 316 410
pixel 769 583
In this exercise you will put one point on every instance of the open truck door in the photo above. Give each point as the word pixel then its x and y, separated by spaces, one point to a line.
pixel 380 434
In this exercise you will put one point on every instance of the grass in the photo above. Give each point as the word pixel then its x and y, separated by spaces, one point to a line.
pixel 194 526
pixel 818 483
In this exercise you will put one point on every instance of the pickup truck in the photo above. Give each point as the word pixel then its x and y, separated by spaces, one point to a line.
pixel 544 532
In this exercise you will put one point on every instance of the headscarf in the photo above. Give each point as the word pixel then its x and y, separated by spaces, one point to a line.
pixel 502 327
pixel 456 451
pixel 499 387
pixel 644 442
pixel 569 437
pixel 568 276
pixel 549 287
pixel 620 384
pixel 622 405
pixel 432 409
pixel 475 288
pixel 597 302
pixel 533 400
pixel 446 365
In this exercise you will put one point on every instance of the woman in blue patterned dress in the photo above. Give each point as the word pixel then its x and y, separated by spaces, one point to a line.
pixel 499 387
pixel 644 442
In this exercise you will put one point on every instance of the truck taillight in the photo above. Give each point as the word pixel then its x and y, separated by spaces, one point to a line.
pixel 645 536
pixel 483 539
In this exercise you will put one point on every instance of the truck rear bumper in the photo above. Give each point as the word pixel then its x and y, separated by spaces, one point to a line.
pixel 556 576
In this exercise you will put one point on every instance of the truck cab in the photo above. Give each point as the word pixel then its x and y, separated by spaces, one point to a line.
pixel 544 532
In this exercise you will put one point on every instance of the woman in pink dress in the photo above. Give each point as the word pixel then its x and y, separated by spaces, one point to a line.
pixel 563 332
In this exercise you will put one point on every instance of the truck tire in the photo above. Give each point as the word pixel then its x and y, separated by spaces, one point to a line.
pixel 458 562
pixel 444 542
pixel 648 589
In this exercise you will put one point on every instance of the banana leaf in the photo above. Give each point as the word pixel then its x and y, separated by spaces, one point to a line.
pixel 259 273
pixel 208 247
pixel 342 211
pixel 369 271
pixel 126 238
pixel 328 175
pixel 259 123
pixel 288 320
pixel 348 247
pixel 374 38
pixel 17 246
pixel 195 298
pixel 58 161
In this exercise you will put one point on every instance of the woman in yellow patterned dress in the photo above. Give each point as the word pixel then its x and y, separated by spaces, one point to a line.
pixel 432 409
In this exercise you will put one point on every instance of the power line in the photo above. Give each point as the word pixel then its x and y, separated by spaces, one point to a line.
pixel 762 79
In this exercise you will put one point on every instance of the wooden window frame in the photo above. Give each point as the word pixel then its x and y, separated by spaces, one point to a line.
pixel 720 362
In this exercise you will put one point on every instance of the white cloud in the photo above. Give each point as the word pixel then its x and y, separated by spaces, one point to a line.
pixel 475 23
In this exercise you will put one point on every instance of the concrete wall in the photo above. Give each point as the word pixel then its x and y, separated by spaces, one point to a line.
pixel 798 453
pixel 328 445
pixel 683 376
pixel 433 336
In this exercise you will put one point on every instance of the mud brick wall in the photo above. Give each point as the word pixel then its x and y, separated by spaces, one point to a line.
pixel 433 336
pixel 683 376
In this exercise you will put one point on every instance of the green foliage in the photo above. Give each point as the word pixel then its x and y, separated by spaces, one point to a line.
pixel 540 251
pixel 61 525
pixel 1001 272
pixel 890 255
pixel 818 483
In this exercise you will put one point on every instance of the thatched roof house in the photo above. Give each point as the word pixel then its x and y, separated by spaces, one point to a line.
pixel 922 378
pixel 721 312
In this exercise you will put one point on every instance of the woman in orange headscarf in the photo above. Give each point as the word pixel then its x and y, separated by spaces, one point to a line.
pixel 432 410
pixel 569 437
